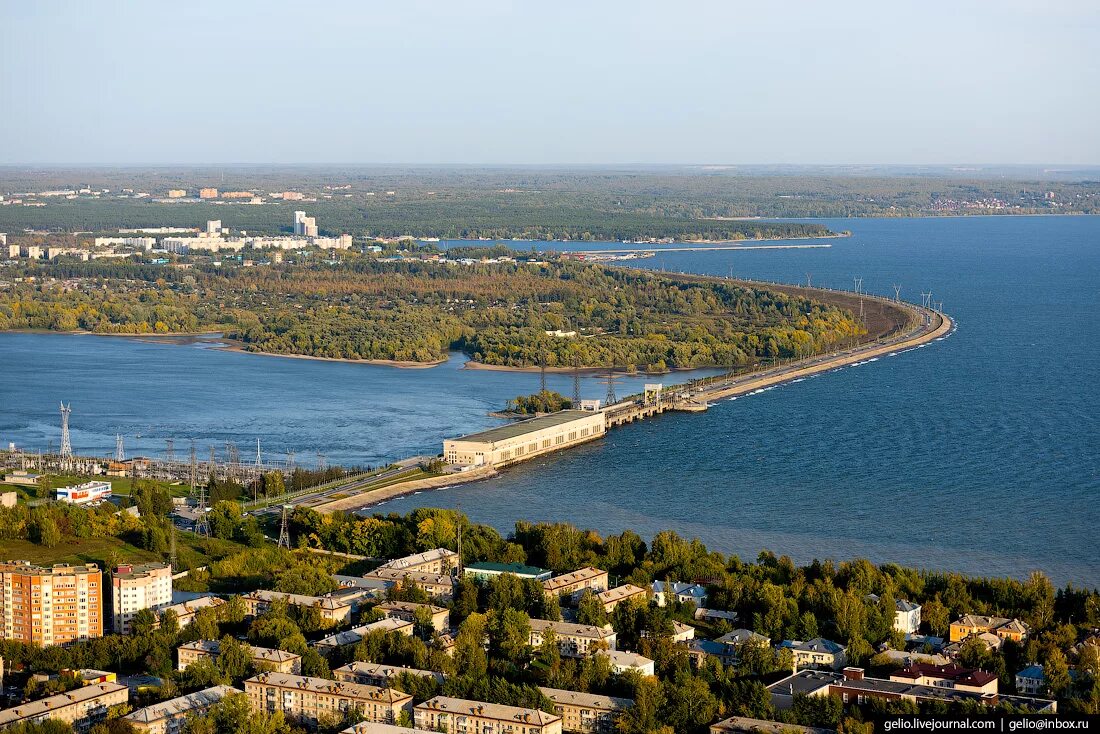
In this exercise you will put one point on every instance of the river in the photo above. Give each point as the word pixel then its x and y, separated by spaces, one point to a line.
pixel 977 453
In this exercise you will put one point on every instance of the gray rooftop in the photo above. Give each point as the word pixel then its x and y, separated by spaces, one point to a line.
pixel 519 428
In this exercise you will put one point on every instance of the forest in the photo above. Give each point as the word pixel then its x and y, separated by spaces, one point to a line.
pixel 415 310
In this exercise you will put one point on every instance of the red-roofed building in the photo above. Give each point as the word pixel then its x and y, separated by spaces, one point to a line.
pixel 947 676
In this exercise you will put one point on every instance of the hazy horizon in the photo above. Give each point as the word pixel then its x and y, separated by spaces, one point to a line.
pixel 503 84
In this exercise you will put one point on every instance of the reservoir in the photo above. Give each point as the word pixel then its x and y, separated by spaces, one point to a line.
pixel 976 453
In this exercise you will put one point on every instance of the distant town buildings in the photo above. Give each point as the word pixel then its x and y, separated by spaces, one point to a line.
pixel 82 494
pixel 50 606
pixel 304 226
pixel 208 193
pixel 177 193
pixel 133 588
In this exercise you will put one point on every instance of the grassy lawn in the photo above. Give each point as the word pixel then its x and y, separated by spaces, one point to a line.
pixel 191 551
pixel 119 485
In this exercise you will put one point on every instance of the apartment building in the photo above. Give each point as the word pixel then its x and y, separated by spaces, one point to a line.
pixel 614 597
pixel 573 583
pixel 133 588
pixel 406 610
pixel 377 674
pixel 368 727
pixel 81 708
pixel 623 661
pixel 50 606
pixel 977 624
pixel 312 700
pixel 817 653
pixel 587 712
pixel 169 717
pixel 185 611
pixel 574 640
pixel 335 609
pixel 354 635
pixel 263 658
pixel 436 560
pixel 459 716
pixel 438 585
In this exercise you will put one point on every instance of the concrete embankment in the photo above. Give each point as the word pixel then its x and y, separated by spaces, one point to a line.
pixel 793 372
pixel 374 496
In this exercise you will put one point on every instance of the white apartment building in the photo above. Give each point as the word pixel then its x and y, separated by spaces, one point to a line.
pixel 133 588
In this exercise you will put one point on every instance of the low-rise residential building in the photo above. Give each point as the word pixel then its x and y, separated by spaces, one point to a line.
pixel 377 674
pixel 852 686
pixel 975 624
pixel 185 611
pixel 437 560
pixel 745 725
pixel 586 712
pixel 574 640
pixel 992 643
pixel 437 585
pixel 713 616
pixel 947 676
pixel 573 583
pixel 169 717
pixel 459 716
pixel 356 634
pixel 137 587
pixel 81 708
pixel 334 609
pixel 906 614
pixel 407 610
pixel 682 632
pixel 623 661
pixel 817 653
pixel 614 597
pixel 263 658
pixel 681 591
pixel 1030 681
pixel 369 727
pixel 487 571
pixel 311 700
pixel 699 650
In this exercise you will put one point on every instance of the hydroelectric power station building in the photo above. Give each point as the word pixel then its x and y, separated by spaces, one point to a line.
pixel 525 439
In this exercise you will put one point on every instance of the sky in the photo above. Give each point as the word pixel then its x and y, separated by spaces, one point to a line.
pixel 561 82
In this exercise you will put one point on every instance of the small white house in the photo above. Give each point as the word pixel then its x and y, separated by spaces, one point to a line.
pixel 681 591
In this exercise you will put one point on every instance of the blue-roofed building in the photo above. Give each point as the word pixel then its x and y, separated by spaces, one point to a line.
pixel 681 590
pixel 818 653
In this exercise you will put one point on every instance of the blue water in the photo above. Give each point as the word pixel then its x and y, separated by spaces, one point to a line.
pixel 977 453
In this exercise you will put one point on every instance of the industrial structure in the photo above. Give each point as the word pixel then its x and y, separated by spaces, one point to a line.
pixel 525 439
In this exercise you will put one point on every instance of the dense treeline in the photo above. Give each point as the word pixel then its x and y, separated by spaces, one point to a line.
pixel 417 310
pixel 684 203
pixel 543 401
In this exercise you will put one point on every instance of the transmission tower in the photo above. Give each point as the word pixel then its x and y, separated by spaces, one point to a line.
pixel 120 452
pixel 576 384
pixel 542 374
pixel 66 447
pixel 321 463
pixel 284 529
pixel 290 459
pixel 859 292
pixel 611 386
pixel 172 547
pixel 259 458
pixel 809 280
pixel 194 468
pixel 169 450
pixel 897 292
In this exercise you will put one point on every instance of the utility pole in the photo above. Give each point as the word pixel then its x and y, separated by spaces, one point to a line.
pixel 66 446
